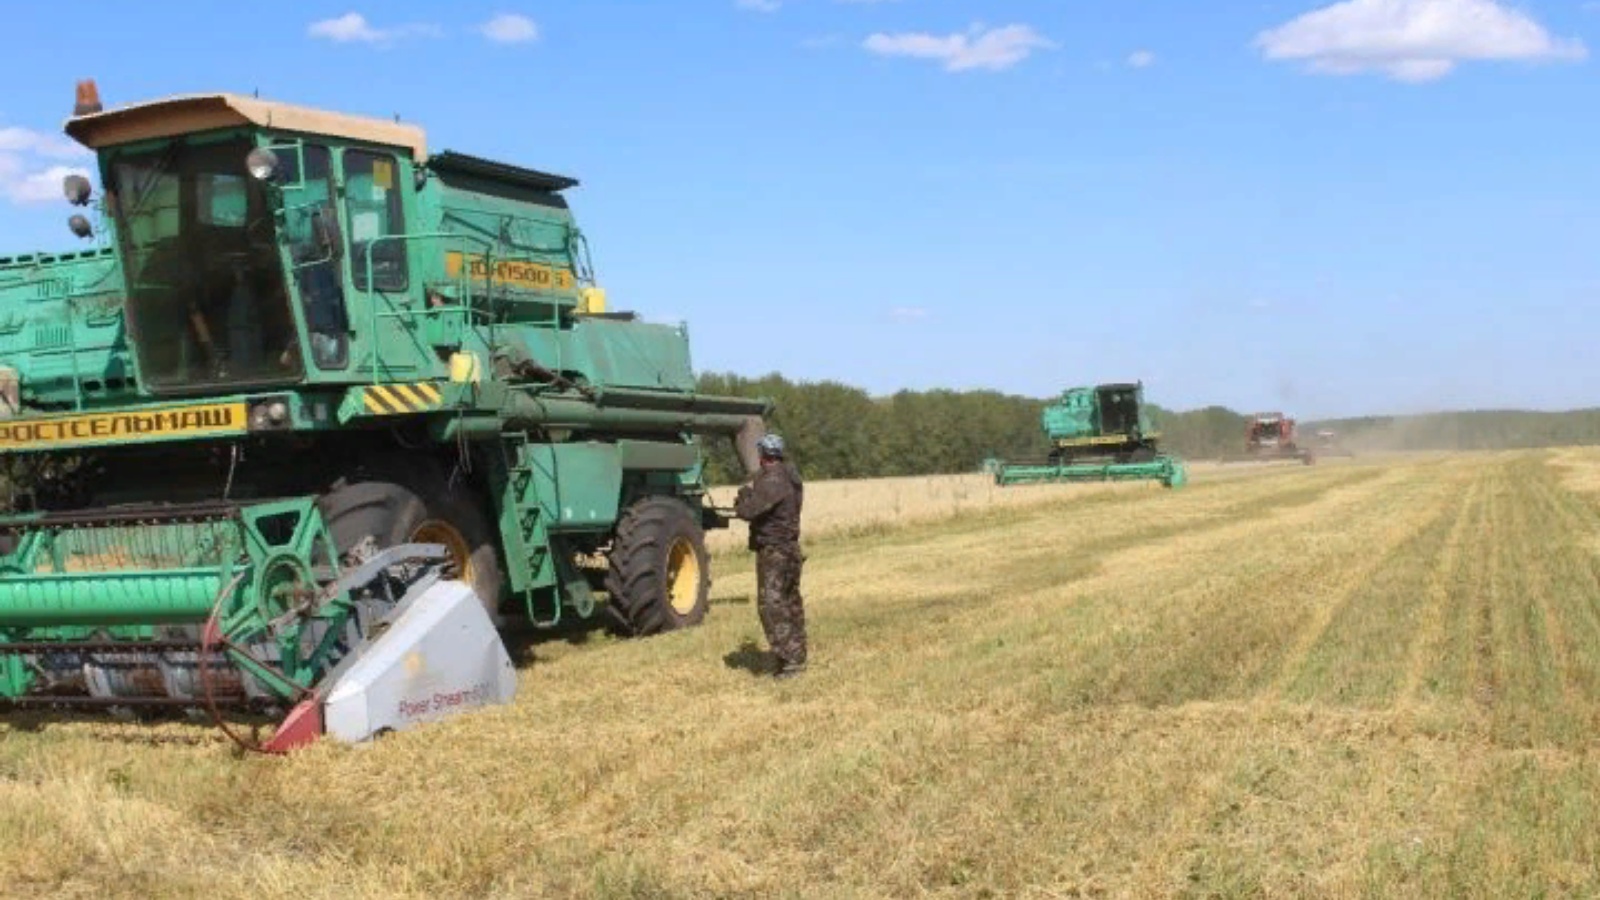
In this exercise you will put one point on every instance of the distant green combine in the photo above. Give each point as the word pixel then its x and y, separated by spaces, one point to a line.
pixel 1101 433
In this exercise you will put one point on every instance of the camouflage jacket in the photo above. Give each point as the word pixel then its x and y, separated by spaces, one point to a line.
pixel 771 504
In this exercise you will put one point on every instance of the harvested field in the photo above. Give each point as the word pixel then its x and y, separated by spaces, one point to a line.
pixel 878 505
pixel 836 509
pixel 1364 678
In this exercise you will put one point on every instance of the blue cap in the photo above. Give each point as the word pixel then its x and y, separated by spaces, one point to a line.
pixel 770 445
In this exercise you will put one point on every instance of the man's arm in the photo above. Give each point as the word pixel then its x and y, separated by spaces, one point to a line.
pixel 755 499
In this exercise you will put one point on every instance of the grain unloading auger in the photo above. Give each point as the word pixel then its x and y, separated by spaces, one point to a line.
pixel 1102 433
pixel 349 409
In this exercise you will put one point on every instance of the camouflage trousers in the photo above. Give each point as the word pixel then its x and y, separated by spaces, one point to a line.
pixel 783 617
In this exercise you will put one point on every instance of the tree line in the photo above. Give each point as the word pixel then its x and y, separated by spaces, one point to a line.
pixel 835 430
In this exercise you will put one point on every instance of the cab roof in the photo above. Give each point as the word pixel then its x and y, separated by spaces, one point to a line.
pixel 187 113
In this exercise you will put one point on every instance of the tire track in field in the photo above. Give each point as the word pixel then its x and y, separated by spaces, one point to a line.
pixel 1182 620
pixel 1555 652
pixel 1431 632
pixel 1579 534
pixel 1582 587
pixel 1483 676
pixel 1386 550
pixel 1010 559
pixel 1562 582
pixel 1518 684
pixel 1525 642
pixel 1011 614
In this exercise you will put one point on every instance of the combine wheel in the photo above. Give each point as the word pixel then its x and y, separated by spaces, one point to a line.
pixel 660 575
pixel 392 513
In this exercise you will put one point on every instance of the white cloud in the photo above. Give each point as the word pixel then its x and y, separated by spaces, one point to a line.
pixel 24 140
pixel 346 28
pixel 765 6
pixel 1412 40
pixel 1141 59
pixel 353 28
pixel 38 186
pixel 908 313
pixel 27 181
pixel 510 28
pixel 33 164
pixel 976 48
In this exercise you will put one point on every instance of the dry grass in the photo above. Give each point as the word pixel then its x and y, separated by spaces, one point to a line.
pixel 1377 678
pixel 1579 468
pixel 856 508
pixel 873 506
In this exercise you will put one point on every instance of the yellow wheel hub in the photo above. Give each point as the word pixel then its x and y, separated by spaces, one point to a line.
pixel 683 576
pixel 438 531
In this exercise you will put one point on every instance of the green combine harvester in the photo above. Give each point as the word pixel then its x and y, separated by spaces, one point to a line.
pixel 330 411
pixel 1102 433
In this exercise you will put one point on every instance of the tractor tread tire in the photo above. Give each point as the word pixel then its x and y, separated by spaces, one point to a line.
pixel 392 505
pixel 636 580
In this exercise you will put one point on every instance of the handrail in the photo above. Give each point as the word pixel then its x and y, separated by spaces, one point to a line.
pixel 463 306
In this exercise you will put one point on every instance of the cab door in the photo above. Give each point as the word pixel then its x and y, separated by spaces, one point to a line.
pixel 316 256
pixel 381 270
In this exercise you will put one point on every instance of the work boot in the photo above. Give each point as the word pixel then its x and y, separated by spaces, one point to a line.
pixel 790 670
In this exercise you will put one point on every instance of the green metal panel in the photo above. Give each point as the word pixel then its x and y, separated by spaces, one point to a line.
pixel 633 354
pixel 1072 416
pixel 658 456
pixel 61 327
pixel 577 486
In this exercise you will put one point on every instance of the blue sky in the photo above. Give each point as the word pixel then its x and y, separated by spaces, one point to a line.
pixel 1363 207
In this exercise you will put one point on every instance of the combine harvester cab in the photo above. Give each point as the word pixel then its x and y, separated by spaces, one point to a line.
pixel 1102 433
pixel 1273 436
pixel 326 388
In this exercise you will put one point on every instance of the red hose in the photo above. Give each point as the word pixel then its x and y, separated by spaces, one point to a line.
pixel 211 636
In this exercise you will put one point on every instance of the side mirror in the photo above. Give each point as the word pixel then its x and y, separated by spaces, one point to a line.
pixel 80 226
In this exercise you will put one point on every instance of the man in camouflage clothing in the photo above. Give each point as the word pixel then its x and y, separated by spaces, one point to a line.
pixel 771 504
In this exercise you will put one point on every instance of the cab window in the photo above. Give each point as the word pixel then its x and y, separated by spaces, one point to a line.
pixel 222 201
pixel 374 210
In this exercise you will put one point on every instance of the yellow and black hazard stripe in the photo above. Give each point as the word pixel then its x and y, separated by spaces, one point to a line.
pixel 400 399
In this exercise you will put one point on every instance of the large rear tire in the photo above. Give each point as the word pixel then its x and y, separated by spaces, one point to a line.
pixel 660 574
pixel 422 511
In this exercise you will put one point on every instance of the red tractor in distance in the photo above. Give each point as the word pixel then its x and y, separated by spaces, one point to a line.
pixel 1270 435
